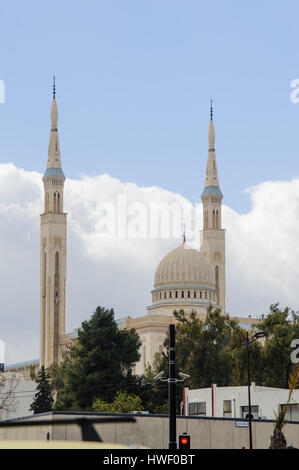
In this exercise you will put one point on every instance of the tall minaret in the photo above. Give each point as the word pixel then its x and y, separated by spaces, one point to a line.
pixel 212 235
pixel 52 251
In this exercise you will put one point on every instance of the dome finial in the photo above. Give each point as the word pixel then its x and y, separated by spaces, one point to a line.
pixel 211 109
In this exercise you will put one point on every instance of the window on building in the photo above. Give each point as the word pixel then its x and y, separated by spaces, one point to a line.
pixel 144 356
pixel 292 413
pixel 210 295
pixel 164 295
pixel 227 408
pixel 254 411
pixel 160 295
pixel 206 295
pixel 176 294
pixel 200 294
pixel 189 294
pixel 183 293
pixel 198 409
pixel 170 294
pixel 194 295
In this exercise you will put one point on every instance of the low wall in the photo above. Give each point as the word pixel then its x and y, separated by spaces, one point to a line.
pixel 152 431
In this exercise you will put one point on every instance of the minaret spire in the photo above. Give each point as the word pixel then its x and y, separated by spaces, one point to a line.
pixel 52 251
pixel 212 235
pixel 54 159
pixel 211 170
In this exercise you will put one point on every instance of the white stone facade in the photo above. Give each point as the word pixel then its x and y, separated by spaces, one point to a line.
pixel 186 278
pixel 52 253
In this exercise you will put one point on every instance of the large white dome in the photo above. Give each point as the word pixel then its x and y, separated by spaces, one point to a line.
pixel 184 265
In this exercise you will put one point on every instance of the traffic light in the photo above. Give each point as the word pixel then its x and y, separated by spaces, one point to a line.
pixel 184 441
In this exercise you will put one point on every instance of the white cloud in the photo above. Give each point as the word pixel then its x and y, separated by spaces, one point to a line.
pixel 262 252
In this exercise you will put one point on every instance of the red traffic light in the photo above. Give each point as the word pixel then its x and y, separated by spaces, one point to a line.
pixel 184 441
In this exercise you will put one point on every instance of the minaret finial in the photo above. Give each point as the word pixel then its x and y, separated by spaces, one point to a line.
pixel 211 109
pixel 54 88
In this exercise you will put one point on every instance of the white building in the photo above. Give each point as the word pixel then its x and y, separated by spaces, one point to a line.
pixel 20 393
pixel 232 402
pixel 186 278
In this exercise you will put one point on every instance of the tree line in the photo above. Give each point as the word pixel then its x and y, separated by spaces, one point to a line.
pixel 96 373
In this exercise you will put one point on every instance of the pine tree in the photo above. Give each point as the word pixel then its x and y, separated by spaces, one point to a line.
pixel 43 400
pixel 99 364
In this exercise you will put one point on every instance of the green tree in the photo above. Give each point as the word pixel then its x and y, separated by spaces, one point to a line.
pixel 238 350
pixel 203 348
pixel 281 326
pixel 98 365
pixel 43 399
pixel 154 393
pixel 59 379
pixel 214 351
pixel 123 403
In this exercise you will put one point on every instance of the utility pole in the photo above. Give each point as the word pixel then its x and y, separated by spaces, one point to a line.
pixel 249 398
pixel 172 390
pixel 172 382
pixel 258 335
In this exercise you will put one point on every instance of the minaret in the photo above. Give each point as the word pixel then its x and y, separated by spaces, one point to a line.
pixel 52 251
pixel 212 235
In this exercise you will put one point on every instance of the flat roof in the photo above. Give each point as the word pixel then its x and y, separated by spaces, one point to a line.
pixel 33 362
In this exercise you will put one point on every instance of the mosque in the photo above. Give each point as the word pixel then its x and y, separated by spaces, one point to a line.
pixel 185 278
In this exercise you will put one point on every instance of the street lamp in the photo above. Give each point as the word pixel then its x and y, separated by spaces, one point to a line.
pixel 258 335
pixel 172 381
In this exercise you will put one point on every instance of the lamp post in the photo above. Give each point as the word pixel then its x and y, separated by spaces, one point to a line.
pixel 259 334
pixel 172 382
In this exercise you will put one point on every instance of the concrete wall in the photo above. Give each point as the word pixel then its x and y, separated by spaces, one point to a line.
pixel 152 431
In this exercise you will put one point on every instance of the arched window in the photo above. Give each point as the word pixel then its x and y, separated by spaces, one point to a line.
pixel 206 219
pixel 217 219
pixel 183 294
pixel 170 294
pixel 176 294
pixel 47 202
pixel 214 221
pixel 144 356
pixel 217 283
pixel 200 294
pixel 164 295
pixel 189 294
pixel 56 308
pixel 194 294
pixel 56 201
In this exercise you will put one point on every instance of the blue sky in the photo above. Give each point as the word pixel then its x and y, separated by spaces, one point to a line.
pixel 134 80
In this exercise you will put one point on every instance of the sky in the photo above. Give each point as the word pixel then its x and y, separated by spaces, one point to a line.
pixel 134 81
